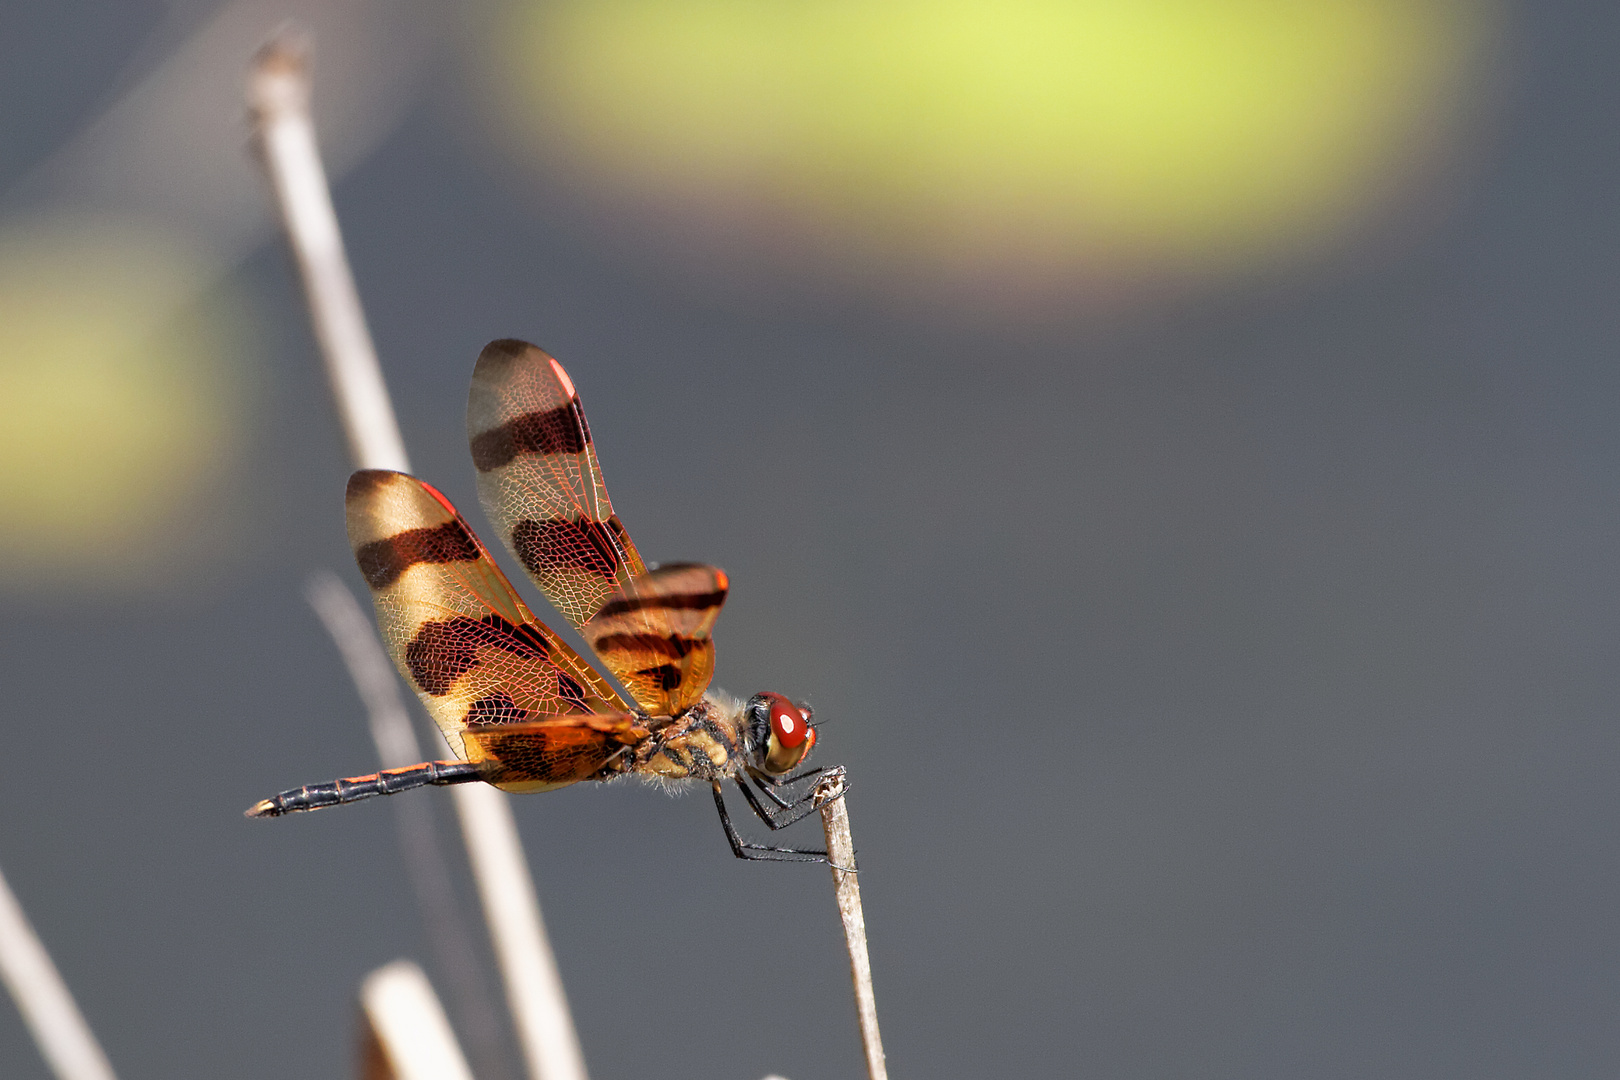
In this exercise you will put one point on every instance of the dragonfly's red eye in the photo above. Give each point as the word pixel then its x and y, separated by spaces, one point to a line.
pixel 788 724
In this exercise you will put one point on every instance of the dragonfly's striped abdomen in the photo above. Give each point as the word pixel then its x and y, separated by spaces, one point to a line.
pixel 354 788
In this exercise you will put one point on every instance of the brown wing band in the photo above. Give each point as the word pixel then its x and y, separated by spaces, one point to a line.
pixel 595 547
pixel 384 561
pixel 679 602
pixel 562 430
pixel 666 645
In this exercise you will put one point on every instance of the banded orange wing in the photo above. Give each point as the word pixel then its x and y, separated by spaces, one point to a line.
pixel 520 709
pixel 654 635
pixel 538 755
pixel 540 482
pixel 465 641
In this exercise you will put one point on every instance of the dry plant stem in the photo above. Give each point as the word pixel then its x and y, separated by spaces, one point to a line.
pixel 409 1025
pixel 279 97
pixel 369 667
pixel 278 94
pixel 65 1040
pixel 847 889
pixel 373 674
pixel 528 968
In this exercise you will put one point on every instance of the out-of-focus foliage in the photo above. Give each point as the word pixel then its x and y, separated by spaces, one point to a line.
pixel 119 397
pixel 1026 134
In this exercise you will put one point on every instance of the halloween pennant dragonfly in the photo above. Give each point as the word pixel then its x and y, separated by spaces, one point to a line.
pixel 520 709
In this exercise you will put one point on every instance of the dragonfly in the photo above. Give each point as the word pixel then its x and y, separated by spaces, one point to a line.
pixel 519 708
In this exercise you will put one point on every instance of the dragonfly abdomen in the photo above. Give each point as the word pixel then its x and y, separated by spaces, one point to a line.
pixel 354 788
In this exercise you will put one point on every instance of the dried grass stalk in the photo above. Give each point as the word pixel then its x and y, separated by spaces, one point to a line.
pixel 373 673
pixel 279 94
pixel 534 988
pixel 409 1028
pixel 830 792
pixel 443 915
pixel 65 1040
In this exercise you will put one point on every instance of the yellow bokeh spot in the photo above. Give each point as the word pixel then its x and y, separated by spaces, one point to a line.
pixel 1134 129
pixel 116 398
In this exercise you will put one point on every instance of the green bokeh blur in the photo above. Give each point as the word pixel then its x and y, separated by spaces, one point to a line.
pixel 119 396
pixel 1033 134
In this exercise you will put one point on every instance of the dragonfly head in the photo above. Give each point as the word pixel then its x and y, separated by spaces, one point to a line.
pixel 781 731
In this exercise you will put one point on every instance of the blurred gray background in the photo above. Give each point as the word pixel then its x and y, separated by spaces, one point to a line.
pixel 1225 661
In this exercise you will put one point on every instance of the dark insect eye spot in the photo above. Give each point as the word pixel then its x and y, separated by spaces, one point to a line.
pixel 787 722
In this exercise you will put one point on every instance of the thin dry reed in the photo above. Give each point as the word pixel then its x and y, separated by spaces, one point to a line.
pixel 408 1027
pixel 65 1040
pixel 279 95
pixel 830 792
pixel 443 915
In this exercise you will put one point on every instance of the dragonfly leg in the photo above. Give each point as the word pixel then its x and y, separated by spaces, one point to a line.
pixel 787 780
pixel 785 813
pixel 769 785
pixel 354 788
pixel 744 849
